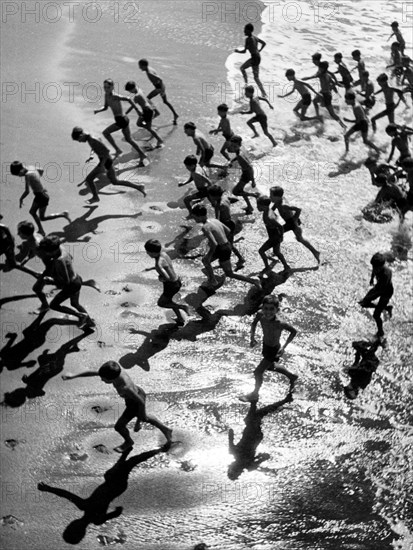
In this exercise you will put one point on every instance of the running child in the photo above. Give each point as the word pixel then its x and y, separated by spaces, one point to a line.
pixel 247 172
pixel 383 290
pixel 275 233
pixel 388 92
pixel 400 135
pixel 326 85
pixel 260 116
pixel 407 75
pixel 220 248
pixel 291 216
pixel 361 66
pixel 159 87
pixel 198 176
pixel 104 166
pixel 252 44
pixel 171 282
pixel 342 70
pixel 146 114
pixel 222 207
pixel 396 56
pixel 302 88
pixel 398 35
pixel 41 196
pixel 361 123
pixel 224 126
pixel 7 246
pixel 135 400
pixel 272 351
pixel 367 91
pixel 203 148
pixel 114 101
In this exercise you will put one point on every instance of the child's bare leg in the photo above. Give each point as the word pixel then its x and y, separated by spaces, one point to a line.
pixel 243 68
pixel 291 377
pixel 226 266
pixel 224 153
pixel 122 429
pixel 316 103
pixel 246 196
pixel 125 183
pixel 251 125
pixel 210 272
pixel 241 259
pixel 259 379
pixel 171 108
pixel 167 432
pixel 262 253
pixel 335 116
pixel 43 217
pixel 369 143
pixel 167 303
pixel 107 133
pixel 38 289
pixel 132 142
pixel 33 211
pixel 55 304
pixel 74 302
pixel 270 137
pixel 92 187
pixel 299 236
pixel 256 73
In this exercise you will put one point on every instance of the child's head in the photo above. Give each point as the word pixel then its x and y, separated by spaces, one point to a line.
pixel 356 54
pixel 276 194
pixel 382 78
pixel 350 98
pixel 338 57
pixel 263 203
pixel 381 180
pixel 370 162
pixel 199 212
pixel 143 64
pixel 270 305
pixel 323 66
pixel 316 58
pixel 215 193
pixel 108 85
pixel 391 129
pixel 222 109
pixel 235 144
pixel 406 60
pixel 153 248
pixel 189 128
pixel 25 229
pixel 290 74
pixel 394 25
pixel 249 91
pixel 395 46
pixel 130 86
pixel 50 246
pixel 191 162
pixel 378 260
pixel 78 134
pixel 16 168
pixel 248 29
pixel 407 164
pixel 109 371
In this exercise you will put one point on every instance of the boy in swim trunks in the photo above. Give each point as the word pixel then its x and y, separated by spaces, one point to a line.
pixel 198 176
pixel 275 233
pixel 41 196
pixel 361 123
pixel 291 216
pixel 220 248
pixel 302 88
pixel 147 112
pixel 171 282
pixel 272 350
pixel 247 172
pixel 400 135
pixel 383 290
pixel 159 87
pixel 203 148
pixel 398 35
pixel 388 91
pixel 326 85
pixel 367 91
pixel 252 45
pixel 104 166
pixel 342 70
pixel 114 101
pixel 260 115
pixel 361 66
pixel 135 400
pixel 224 126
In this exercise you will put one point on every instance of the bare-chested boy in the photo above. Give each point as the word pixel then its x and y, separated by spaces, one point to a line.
pixel 260 116
pixel 247 172
pixel 367 91
pixel 147 112
pixel 252 44
pixel 400 141
pixel 398 35
pixel 360 67
pixel 220 248
pixel 41 196
pixel 201 181
pixel 204 149
pixel 302 88
pixel 272 350
pixel 275 233
pixel 171 282
pixel 326 85
pixel 342 70
pixel 135 400
pixel 105 164
pixel 361 123
pixel 388 92
pixel 407 75
pixel 224 126
pixel 114 101
pixel 159 86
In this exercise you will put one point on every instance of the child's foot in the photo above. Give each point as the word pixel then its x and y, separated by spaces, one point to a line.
pixel 389 310
pixel 86 322
pixel 249 398
pixel 93 199
pixel 293 380
pixel 317 257
pixel 117 153
pixel 127 446
pixel 137 426
pixel 42 486
pixel 66 215
pixel 160 145
pixel 43 309
pixel 179 322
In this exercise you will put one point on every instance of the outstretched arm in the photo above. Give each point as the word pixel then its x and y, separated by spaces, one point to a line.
pixel 292 334
pixel 70 376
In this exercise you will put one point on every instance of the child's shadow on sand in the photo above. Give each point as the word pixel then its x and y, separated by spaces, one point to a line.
pixel 95 507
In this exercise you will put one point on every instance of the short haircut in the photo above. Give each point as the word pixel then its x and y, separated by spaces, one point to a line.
pixel 199 210
pixel 153 245
pixel 130 85
pixel 222 107
pixel 394 24
pixel 381 179
pixel 190 160
pixel 16 167
pixel 382 77
pixel 249 89
pixel 236 139
pixel 77 132
pixel 277 191
pixel 109 81
pixel 317 55
pixel 338 54
pixel 350 95
pixel 323 65
pixel 249 27
pixel 110 370
pixel 264 199
pixel 190 125
pixel 391 128
pixel 26 227
pixel 143 62
pixel 356 53
pixel 272 300
pixel 290 72
pixel 50 244
pixel 215 190
pixel 378 259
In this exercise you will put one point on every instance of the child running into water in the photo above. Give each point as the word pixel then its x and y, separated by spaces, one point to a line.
pixel 398 35
pixel 407 75
pixel 224 126
pixel 400 135
pixel 105 165
pixel 59 266
pixel 367 91
pixel 41 196
pixel 388 92
pixel 114 101
pixel 220 248
pixel 326 84
pixel 247 172
pixel 159 87
pixel 272 350
pixel 203 148
pixel 252 43
pixel 260 115
pixel 146 114
pixel 171 282
pixel 302 88
pixel 361 67
pixel 383 290
pixel 135 401
pixel 291 216
pixel 361 123
pixel 342 70
pixel 275 233
pixel 198 176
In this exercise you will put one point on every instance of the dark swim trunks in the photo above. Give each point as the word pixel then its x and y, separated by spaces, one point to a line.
pixel 147 115
pixel 170 288
pixel 369 103
pixel 222 252
pixel 41 198
pixel 261 119
pixel 255 59
pixel 306 99
pixel 270 352
pixel 108 164
pixel 207 155
pixel 291 225
pixel 361 126
pixel 122 121
pixel 328 98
